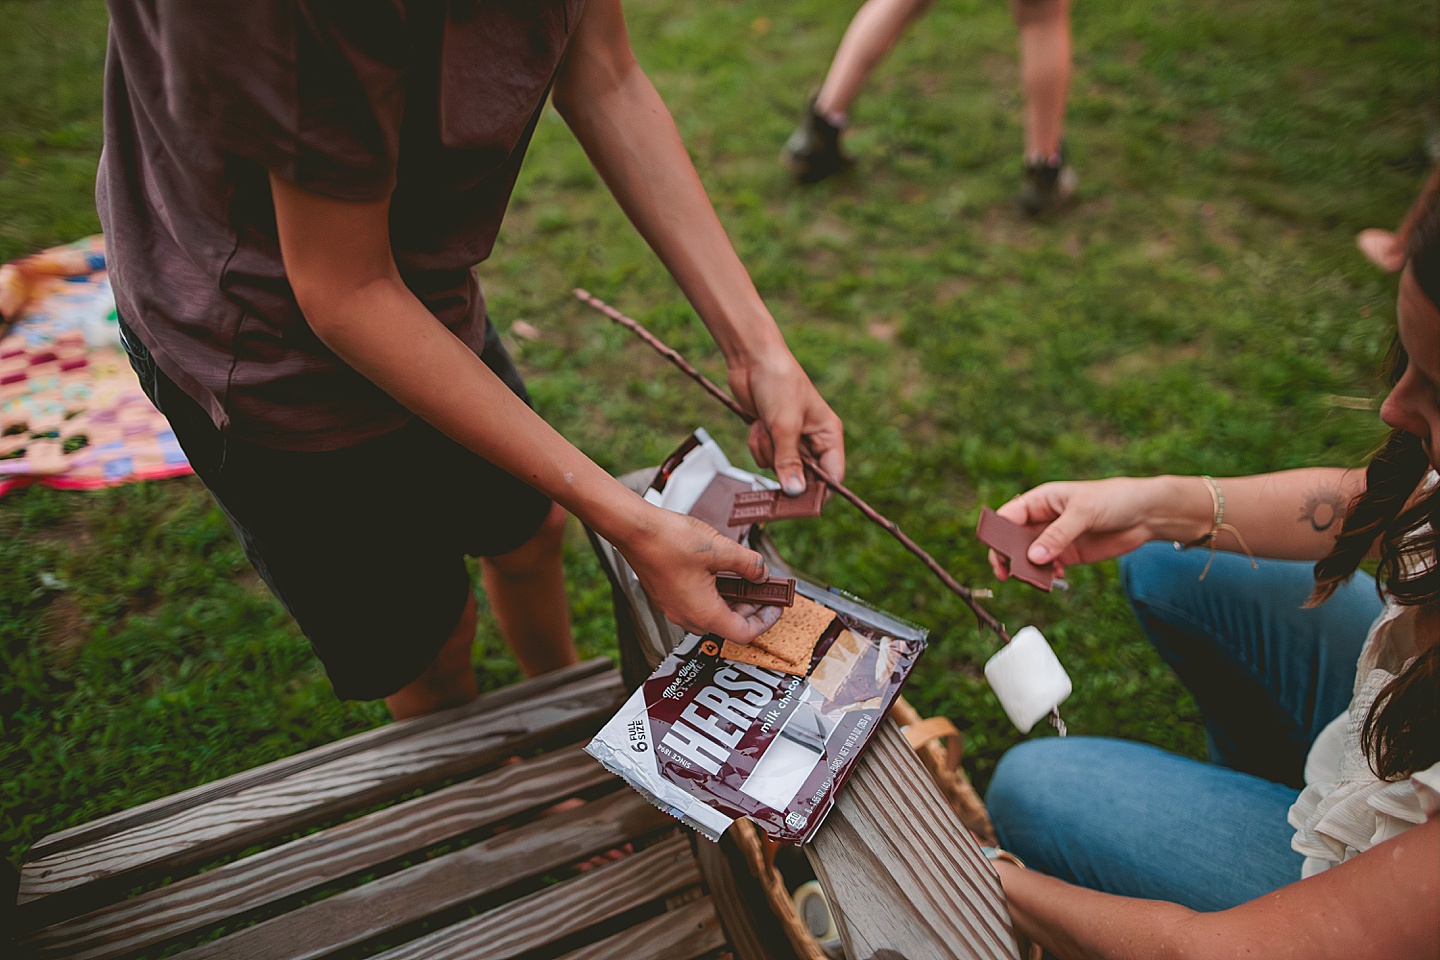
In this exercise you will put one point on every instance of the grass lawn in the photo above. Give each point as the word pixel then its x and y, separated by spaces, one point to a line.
pixel 1203 309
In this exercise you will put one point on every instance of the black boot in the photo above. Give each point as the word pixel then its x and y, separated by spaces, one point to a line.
pixel 1048 185
pixel 813 151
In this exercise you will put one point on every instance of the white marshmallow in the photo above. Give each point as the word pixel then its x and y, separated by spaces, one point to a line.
pixel 1027 678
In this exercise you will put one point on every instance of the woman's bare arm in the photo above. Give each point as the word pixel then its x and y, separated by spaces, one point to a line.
pixel 1291 515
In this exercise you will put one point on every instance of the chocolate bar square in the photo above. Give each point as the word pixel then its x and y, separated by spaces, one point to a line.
pixel 774 592
pixel 762 506
pixel 1011 540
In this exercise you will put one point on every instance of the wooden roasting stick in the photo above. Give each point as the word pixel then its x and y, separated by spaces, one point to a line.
pixel 964 593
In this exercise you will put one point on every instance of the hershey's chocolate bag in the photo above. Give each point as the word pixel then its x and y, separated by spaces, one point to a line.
pixel 708 740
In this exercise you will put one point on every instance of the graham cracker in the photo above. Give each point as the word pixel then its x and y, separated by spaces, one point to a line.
pixel 748 653
pixel 794 635
pixel 789 644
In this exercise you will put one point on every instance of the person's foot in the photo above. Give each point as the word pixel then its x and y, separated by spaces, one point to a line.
pixel 1049 185
pixel 813 151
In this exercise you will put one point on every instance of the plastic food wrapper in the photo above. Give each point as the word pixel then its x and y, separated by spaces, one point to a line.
pixel 709 740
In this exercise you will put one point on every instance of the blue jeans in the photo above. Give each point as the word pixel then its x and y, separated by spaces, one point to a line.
pixel 1132 819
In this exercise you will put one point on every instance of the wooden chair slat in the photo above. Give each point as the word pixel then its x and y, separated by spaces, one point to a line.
pixel 93 875
pixel 690 931
pixel 559 911
pixel 208 899
pixel 901 872
pixel 447 881
pixel 86 833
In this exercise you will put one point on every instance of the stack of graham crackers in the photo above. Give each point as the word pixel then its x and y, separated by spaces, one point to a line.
pixel 787 646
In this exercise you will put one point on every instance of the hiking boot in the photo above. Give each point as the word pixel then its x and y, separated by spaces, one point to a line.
pixel 1048 185
pixel 813 151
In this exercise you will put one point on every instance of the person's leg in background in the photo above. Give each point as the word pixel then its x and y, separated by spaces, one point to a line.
pixel 813 151
pixel 1045 67
pixel 876 29
pixel 1267 674
pixel 448 681
pixel 526 589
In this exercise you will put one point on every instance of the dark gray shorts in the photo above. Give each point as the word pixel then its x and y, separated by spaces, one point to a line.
pixel 366 545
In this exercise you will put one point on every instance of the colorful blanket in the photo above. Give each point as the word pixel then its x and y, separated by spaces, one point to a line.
pixel 72 414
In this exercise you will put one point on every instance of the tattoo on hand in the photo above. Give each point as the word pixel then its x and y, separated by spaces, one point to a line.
pixel 1322 508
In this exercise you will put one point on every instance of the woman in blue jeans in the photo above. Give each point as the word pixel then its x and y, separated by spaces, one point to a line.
pixel 1312 832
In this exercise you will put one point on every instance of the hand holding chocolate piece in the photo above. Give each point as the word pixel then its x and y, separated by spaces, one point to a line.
pixel 1012 541
pixel 762 506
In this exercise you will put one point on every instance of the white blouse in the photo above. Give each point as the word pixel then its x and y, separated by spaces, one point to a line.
pixel 1345 809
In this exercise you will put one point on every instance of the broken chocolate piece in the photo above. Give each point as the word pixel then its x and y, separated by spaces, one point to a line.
pixel 761 506
pixel 774 592
pixel 715 504
pixel 1011 540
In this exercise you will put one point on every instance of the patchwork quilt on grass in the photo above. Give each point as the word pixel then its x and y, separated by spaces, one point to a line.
pixel 72 414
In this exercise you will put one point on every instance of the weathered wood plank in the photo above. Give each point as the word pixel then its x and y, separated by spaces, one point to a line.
pixel 87 878
pixel 561 910
pixel 436 885
pixel 901 872
pixel 234 889
pixel 89 832
pixel 684 933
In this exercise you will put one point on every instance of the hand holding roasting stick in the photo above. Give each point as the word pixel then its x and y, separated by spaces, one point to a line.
pixel 964 593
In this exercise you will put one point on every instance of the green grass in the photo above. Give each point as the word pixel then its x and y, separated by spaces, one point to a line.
pixel 1194 313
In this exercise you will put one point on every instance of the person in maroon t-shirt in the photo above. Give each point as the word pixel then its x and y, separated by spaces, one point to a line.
pixel 295 195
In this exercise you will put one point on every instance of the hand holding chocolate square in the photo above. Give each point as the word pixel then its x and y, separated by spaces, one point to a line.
pixel 1011 540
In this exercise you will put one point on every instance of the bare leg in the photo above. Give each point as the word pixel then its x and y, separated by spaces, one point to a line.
pixel 875 29
pixel 526 588
pixel 1044 72
pixel 449 680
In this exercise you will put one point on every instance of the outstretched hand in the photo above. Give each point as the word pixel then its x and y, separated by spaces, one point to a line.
pixel 677 559
pixel 789 412
pixel 1086 521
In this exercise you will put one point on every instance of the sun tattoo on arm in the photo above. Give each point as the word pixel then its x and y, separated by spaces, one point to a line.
pixel 1322 508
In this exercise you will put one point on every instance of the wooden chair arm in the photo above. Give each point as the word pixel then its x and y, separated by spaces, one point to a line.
pixel 925 731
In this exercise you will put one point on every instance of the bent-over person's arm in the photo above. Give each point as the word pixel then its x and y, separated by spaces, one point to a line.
pixel 628 134
pixel 338 260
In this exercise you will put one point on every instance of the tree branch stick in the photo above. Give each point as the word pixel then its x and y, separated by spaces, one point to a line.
pixel 964 593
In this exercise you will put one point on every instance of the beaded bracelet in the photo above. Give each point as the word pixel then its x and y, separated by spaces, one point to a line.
pixel 1217 523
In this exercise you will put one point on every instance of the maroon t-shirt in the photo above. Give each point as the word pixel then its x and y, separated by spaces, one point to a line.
pixel 431 103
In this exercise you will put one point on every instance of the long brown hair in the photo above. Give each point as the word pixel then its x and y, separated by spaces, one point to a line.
pixel 1402 730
